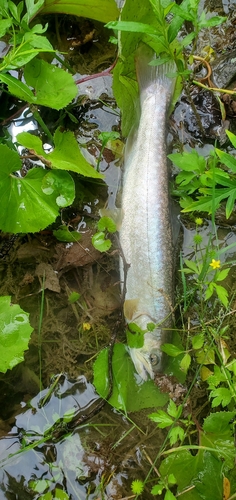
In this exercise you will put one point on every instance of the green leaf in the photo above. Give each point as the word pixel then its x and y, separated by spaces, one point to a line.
pixel 60 495
pixel 63 234
pixel 191 265
pixel 25 207
pixel 53 86
pixel 221 396
pixel 131 27
pixel 173 410
pixel 221 275
pixel 171 350
pixel 185 362
pixel 227 159
pixel 100 242
pixel 18 88
pixel 169 495
pixel 65 156
pixel 4 26
pixel 176 434
pixel 15 331
pixel 232 137
pixel 127 394
pixel 222 294
pixel 106 223
pixel 135 336
pixel 203 472
pixel 220 423
pixel 162 419
pixel 198 341
pixel 32 6
pixel 104 10
pixel 189 161
pixel 73 297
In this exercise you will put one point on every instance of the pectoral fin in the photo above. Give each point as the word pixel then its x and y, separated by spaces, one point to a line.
pixel 130 307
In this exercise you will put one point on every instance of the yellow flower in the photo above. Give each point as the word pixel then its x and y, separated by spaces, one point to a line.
pixel 86 326
pixel 215 264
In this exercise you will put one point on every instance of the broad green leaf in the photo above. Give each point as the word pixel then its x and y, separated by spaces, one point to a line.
pixel 18 88
pixel 4 25
pixel 171 350
pixel 63 234
pixel 220 423
pixel 100 242
pixel 106 223
pixel 53 86
pixel 15 331
pixel 128 394
pixel 198 341
pixel 205 356
pixel 169 495
pixel 39 42
pixel 203 472
pixel 25 207
pixel 65 156
pixel 104 10
pixel 60 495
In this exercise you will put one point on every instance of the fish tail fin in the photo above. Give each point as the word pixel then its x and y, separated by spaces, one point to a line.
pixel 152 79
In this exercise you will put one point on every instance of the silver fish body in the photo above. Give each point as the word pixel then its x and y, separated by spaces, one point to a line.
pixel 146 233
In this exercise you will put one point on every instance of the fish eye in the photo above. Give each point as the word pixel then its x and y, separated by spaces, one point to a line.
pixel 154 359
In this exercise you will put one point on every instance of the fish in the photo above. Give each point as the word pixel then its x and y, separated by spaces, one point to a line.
pixel 147 263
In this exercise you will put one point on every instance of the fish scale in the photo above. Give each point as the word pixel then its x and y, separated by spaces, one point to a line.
pixel 145 234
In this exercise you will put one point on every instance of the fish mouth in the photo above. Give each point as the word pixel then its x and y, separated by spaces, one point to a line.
pixel 146 363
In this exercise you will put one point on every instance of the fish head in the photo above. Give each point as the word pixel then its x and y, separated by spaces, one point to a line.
pixel 148 359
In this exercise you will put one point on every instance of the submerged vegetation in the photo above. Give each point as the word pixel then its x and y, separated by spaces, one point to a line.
pixel 196 458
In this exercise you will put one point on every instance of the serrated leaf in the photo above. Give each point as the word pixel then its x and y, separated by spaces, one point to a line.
pixel 169 495
pixel 189 161
pixel 198 341
pixel 221 396
pixel 15 331
pixel 161 418
pixel 53 86
pixel 176 434
pixel 222 294
pixel 173 410
pixel 185 362
pixel 205 356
